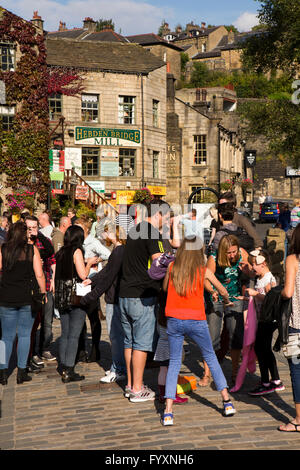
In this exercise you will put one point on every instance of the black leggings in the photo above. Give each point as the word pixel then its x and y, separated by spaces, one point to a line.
pixel 95 323
pixel 263 349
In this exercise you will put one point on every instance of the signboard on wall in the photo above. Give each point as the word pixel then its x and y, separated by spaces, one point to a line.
pixel 107 136
pixel 73 159
pixel 250 158
pixel 81 192
pixel 292 171
pixel 98 186
pixel 57 160
pixel 109 168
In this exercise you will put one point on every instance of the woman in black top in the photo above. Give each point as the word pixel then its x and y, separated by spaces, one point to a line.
pixel 21 266
pixel 70 268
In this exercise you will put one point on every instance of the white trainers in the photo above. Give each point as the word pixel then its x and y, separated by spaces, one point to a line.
pixel 111 377
pixel 146 394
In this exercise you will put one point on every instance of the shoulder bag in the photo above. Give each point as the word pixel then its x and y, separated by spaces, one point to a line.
pixel 292 348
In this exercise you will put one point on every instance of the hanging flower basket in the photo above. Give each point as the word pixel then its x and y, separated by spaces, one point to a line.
pixel 246 184
pixel 226 185
pixel 142 196
pixel 17 202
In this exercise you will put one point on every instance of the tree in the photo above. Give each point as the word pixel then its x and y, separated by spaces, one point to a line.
pixel 200 75
pixel 161 28
pixel 278 46
pixel 105 24
pixel 232 28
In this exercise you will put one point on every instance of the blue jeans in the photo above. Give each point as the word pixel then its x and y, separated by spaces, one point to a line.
pixel 234 321
pixel 138 317
pixel 294 365
pixel 198 331
pixel 116 336
pixel 72 321
pixel 16 320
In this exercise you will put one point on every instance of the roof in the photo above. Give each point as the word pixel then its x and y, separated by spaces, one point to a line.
pixel 107 35
pixel 115 57
pixel 202 33
pixel 151 39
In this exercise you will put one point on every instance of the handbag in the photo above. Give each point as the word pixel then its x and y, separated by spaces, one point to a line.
pixel 292 348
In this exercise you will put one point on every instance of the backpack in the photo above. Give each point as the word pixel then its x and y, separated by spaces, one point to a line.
pixel 245 240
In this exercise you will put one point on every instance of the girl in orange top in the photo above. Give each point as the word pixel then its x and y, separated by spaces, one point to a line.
pixel 184 282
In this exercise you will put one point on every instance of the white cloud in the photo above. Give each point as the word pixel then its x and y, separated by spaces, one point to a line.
pixel 131 16
pixel 246 21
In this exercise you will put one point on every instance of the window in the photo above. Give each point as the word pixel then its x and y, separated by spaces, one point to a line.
pixel 7 115
pixel 55 106
pixel 126 110
pixel 203 47
pixel 7 57
pixel 198 198
pixel 155 109
pixel 89 108
pixel 155 160
pixel 200 151
pixel 90 161
pixel 126 162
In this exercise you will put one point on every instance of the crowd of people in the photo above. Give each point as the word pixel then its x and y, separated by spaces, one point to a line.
pixel 160 283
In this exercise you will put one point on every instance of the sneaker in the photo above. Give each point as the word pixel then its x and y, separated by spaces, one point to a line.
pixel 228 408
pixel 111 377
pixel 144 395
pixel 38 361
pixel 33 368
pixel 48 356
pixel 127 391
pixel 262 390
pixel 167 419
pixel 278 387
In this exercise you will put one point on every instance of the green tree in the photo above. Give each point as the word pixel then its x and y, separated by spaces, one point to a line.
pixel 105 24
pixel 232 28
pixel 200 75
pixel 161 28
pixel 278 46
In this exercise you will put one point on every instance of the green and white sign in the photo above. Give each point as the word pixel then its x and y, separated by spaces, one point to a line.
pixel 107 137
pixel 98 186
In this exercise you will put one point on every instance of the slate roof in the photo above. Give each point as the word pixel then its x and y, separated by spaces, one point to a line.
pixel 107 35
pixel 151 39
pixel 102 56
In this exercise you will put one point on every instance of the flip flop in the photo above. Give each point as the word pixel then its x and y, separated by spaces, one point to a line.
pixel 293 430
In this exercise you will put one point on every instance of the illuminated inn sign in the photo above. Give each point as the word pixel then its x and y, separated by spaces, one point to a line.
pixel 107 137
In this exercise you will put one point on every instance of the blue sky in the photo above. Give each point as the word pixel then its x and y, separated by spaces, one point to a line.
pixel 138 16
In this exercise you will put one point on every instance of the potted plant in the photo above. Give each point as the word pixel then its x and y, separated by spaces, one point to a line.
pixel 246 184
pixel 226 185
pixel 142 196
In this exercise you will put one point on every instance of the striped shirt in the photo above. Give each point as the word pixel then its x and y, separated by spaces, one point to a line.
pixel 125 221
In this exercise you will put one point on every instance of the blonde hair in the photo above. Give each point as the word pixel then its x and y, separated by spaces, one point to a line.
pixel 190 259
pixel 225 243
pixel 214 213
pixel 85 221
pixel 297 202
pixel 119 232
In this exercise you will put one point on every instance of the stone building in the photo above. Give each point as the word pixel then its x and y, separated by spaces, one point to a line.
pixel 201 152
pixel 116 129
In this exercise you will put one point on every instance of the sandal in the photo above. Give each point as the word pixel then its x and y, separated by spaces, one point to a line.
pixel 204 381
pixel 296 426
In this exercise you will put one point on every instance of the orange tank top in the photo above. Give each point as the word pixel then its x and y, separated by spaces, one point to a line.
pixel 190 307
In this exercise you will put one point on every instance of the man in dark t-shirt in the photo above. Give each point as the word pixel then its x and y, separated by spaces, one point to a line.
pixel 138 297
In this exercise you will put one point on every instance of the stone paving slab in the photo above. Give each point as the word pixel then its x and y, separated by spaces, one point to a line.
pixel 46 414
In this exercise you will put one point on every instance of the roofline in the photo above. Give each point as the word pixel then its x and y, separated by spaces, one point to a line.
pixel 93 69
pixel 192 107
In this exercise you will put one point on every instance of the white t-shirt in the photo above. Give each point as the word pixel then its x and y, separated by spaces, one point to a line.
pixel 260 286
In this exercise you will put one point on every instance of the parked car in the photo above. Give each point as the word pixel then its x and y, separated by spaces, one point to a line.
pixel 269 211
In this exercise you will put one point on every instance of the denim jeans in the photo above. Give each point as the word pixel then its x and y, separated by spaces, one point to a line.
pixel 116 336
pixel 234 321
pixel 294 365
pixel 16 320
pixel 138 317
pixel 72 321
pixel 46 324
pixel 198 331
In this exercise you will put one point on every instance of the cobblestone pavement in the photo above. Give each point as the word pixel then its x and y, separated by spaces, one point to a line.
pixel 46 414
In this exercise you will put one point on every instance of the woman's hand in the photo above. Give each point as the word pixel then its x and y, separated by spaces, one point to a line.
pixel 87 282
pixel 215 296
pixel 251 292
pixel 93 260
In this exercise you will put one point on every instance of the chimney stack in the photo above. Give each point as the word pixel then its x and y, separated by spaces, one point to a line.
pixel 37 21
pixel 62 26
pixel 203 25
pixel 231 37
pixel 89 24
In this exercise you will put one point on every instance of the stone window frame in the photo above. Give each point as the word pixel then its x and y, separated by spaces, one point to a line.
pixel 9 113
pixel 128 154
pixel 126 109
pixel 91 107
pixel 200 149
pixel 92 153
pixel 55 106
pixel 10 57
pixel 198 198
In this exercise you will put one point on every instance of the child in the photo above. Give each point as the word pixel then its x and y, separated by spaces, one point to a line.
pixel 184 282
pixel 260 262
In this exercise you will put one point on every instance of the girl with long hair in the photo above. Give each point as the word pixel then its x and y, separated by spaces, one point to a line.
pixel 70 269
pixel 185 310
pixel 21 267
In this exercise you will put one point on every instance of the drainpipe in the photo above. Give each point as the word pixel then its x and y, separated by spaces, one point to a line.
pixel 143 130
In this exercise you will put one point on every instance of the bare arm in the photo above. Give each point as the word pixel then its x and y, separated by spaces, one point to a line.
pixel 214 281
pixel 176 240
pixel 211 265
pixel 38 270
pixel 82 269
pixel 291 269
pixel 166 279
